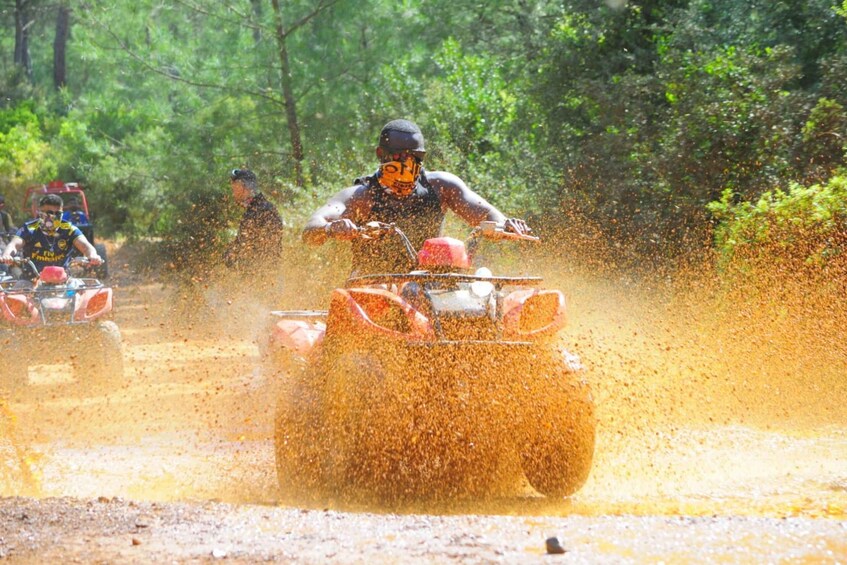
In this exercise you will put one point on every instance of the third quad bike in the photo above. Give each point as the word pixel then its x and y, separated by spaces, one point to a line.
pixel 53 317
pixel 431 384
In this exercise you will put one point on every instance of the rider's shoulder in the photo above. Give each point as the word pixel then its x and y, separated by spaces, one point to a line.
pixel 347 196
pixel 443 180
pixel 358 191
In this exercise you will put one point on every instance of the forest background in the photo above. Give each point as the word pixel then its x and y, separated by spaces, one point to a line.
pixel 671 128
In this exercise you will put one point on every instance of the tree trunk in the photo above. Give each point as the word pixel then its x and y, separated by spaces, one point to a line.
pixel 257 13
pixel 60 42
pixel 288 97
pixel 22 25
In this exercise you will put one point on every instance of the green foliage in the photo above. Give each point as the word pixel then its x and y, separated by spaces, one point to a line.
pixel 25 154
pixel 805 226
pixel 472 123
pixel 635 114
pixel 653 109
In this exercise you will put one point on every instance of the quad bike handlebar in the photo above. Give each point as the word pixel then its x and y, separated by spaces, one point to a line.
pixel 485 230
pixel 494 231
pixel 74 263
pixel 25 263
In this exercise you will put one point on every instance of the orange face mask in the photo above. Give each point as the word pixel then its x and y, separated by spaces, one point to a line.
pixel 399 177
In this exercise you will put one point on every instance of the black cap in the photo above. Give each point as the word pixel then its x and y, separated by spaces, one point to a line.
pixel 402 135
pixel 245 175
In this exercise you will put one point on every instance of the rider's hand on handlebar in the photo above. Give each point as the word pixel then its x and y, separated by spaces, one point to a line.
pixel 95 260
pixel 518 226
pixel 6 259
pixel 343 229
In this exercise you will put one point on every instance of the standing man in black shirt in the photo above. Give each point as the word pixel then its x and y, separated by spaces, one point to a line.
pixel 258 245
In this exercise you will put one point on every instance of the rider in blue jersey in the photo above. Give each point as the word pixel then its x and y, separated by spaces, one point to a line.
pixel 48 240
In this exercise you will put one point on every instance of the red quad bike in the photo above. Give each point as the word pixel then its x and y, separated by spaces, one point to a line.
pixel 429 385
pixel 75 211
pixel 56 318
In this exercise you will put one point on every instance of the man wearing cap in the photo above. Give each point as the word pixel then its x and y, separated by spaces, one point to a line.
pixel 259 239
pixel 403 193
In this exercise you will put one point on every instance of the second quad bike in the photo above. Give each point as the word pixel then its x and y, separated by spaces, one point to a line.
pixel 53 317
pixel 431 384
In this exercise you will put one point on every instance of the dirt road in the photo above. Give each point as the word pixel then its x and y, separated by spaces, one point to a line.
pixel 702 455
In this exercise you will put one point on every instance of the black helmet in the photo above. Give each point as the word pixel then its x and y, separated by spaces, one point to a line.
pixel 402 135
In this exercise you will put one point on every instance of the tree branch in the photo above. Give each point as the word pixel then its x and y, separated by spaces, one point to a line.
pixel 170 75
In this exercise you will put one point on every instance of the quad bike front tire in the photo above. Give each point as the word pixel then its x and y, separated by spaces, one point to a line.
pixel 405 429
pixel 559 433
pixel 14 362
pixel 102 365
pixel 300 438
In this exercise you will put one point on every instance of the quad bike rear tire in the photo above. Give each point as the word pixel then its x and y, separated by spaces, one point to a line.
pixel 559 433
pixel 102 364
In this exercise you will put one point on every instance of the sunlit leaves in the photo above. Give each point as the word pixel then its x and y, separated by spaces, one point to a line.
pixel 805 225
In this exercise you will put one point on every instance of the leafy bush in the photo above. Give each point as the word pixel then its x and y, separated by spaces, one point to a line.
pixel 25 154
pixel 799 231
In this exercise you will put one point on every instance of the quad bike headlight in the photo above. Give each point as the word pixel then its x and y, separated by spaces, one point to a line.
pixel 97 303
pixel 539 311
pixel 383 312
pixel 19 307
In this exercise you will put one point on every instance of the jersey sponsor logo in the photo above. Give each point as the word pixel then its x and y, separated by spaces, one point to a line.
pixel 47 256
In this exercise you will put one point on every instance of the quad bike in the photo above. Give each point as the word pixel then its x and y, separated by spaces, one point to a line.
pixel 431 384
pixel 75 211
pixel 51 316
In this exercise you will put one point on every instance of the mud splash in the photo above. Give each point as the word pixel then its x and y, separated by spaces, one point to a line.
pixel 710 401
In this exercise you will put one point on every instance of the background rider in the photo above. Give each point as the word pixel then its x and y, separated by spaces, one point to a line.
pixel 48 240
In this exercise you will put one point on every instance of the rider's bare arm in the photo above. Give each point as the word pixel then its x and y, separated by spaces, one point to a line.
pixel 469 205
pixel 84 246
pixel 13 247
pixel 337 218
